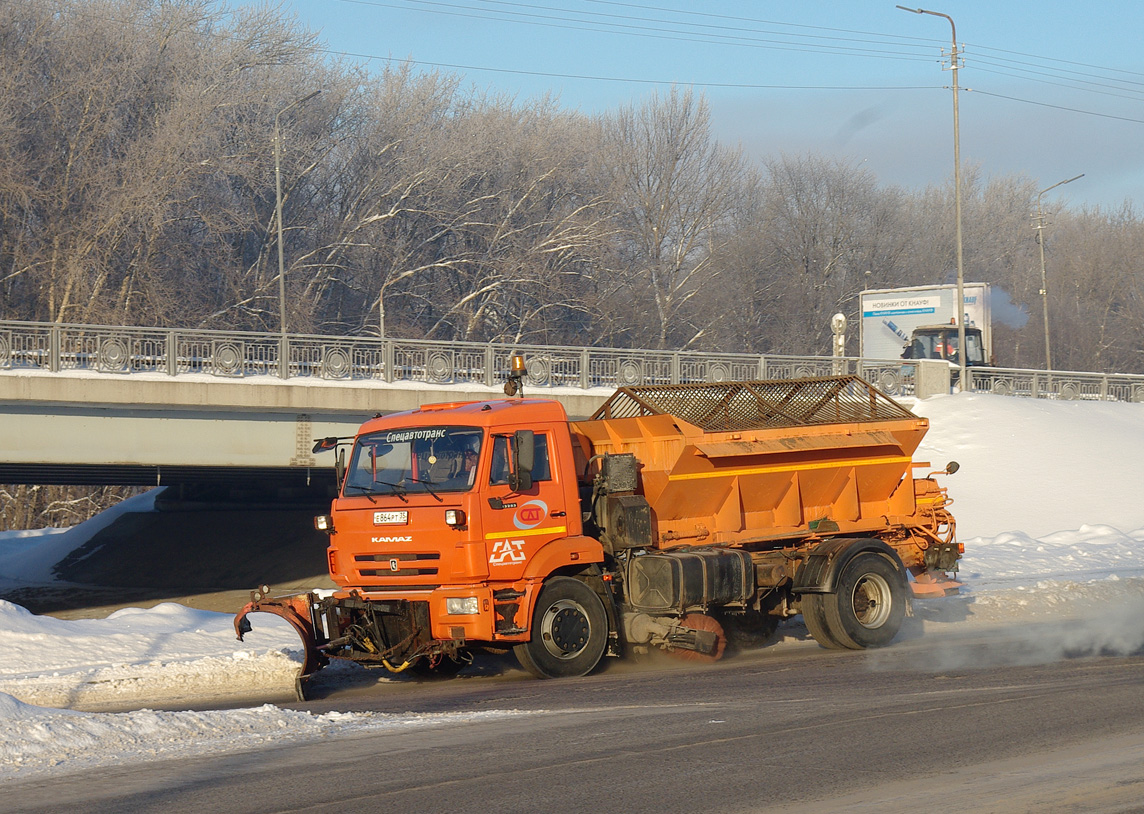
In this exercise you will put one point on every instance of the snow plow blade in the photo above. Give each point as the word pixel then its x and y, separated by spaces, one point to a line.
pixel 295 610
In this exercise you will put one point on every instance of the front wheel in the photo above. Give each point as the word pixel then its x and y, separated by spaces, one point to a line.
pixel 569 631
pixel 868 605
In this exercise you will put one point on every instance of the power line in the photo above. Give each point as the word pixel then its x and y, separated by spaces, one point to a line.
pixel 709 16
pixel 622 79
pixel 783 45
pixel 711 29
pixel 1127 95
pixel 1064 73
pixel 893 36
pixel 1062 61
pixel 1057 107
pixel 533 18
pixel 927 40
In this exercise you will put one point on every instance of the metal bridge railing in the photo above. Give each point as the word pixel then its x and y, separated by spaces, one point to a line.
pixel 60 347
pixel 1054 384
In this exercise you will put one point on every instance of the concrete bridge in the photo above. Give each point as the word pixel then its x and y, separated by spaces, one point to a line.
pixel 83 404
pixel 138 430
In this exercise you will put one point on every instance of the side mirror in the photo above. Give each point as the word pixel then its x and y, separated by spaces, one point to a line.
pixel 952 467
pixel 523 458
pixel 340 466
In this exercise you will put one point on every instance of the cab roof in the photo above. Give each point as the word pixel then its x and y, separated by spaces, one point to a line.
pixel 946 327
pixel 485 413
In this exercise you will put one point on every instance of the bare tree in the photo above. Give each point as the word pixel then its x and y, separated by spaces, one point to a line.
pixel 818 233
pixel 1096 291
pixel 35 507
pixel 121 132
pixel 465 216
pixel 675 190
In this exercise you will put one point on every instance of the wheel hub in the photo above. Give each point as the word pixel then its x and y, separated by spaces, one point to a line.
pixel 871 601
pixel 566 629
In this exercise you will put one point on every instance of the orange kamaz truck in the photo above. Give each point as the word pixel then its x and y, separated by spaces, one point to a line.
pixel 673 518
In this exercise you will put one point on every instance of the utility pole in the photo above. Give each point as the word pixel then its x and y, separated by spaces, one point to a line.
pixel 953 64
pixel 1040 230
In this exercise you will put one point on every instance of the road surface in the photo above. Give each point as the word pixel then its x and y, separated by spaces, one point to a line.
pixel 941 723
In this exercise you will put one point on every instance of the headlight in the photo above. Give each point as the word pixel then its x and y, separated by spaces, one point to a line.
pixel 457 605
pixel 454 517
pixel 324 522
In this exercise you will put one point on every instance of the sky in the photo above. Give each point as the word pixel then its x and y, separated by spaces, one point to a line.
pixel 1045 500
pixel 1049 89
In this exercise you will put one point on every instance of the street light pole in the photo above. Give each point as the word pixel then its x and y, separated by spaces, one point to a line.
pixel 961 351
pixel 1040 227
pixel 283 358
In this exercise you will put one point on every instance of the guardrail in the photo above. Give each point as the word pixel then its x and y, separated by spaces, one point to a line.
pixel 237 354
pixel 60 347
pixel 1053 384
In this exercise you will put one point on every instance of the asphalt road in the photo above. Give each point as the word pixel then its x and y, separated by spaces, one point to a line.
pixel 942 723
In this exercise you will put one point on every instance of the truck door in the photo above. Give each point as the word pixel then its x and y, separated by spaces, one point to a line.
pixel 520 523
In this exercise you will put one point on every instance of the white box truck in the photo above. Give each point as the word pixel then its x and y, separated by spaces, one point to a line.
pixel 920 318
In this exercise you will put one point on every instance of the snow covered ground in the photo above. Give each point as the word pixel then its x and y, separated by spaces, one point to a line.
pixel 1046 501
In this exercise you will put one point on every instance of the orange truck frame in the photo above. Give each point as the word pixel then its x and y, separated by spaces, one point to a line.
pixel 675 517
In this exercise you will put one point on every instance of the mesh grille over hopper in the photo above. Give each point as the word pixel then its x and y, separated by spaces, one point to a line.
pixel 727 406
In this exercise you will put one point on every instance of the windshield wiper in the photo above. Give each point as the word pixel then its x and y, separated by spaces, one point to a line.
pixel 364 490
pixel 427 484
pixel 398 489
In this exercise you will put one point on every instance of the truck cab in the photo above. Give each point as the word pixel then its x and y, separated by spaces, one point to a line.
pixel 940 342
pixel 439 510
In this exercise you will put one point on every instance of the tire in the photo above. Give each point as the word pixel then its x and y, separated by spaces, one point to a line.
pixel 569 631
pixel 814 615
pixel 869 603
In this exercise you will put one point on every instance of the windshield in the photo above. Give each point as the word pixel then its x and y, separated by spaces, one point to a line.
pixel 413 461
pixel 976 351
pixel 943 345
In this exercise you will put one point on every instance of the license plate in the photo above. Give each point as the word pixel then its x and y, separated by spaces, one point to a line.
pixel 390 518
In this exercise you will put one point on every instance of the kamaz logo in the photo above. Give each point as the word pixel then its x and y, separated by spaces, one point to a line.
pixel 394 565
pixel 391 539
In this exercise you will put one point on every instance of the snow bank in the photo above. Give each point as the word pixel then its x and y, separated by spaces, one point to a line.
pixel 164 655
pixel 63 740
pixel 27 557
pixel 1036 466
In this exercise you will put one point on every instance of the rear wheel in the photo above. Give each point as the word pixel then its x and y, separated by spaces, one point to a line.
pixel 868 605
pixel 814 615
pixel 569 631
